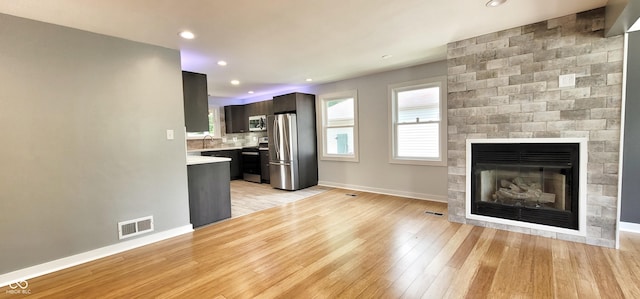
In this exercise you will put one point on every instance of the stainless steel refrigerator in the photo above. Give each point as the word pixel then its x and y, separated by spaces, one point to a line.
pixel 283 151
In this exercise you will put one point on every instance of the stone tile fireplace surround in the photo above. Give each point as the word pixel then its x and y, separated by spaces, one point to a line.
pixel 504 85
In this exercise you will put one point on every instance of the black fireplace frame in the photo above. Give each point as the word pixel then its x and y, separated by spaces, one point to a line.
pixel 557 155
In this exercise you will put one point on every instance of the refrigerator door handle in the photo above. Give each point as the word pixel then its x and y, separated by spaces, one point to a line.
pixel 275 137
pixel 287 136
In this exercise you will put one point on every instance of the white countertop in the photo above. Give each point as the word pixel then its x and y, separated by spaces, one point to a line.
pixel 193 160
pixel 213 149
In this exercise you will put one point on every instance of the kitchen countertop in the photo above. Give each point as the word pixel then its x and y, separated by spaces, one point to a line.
pixel 213 149
pixel 193 160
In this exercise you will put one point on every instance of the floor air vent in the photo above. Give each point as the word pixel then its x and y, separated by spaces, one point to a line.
pixel 433 213
pixel 135 227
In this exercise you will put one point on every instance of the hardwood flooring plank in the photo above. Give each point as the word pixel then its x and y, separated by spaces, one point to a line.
pixel 412 270
pixel 505 281
pixel 465 248
pixel 298 276
pixel 585 280
pixel 564 278
pixel 373 267
pixel 483 279
pixel 625 262
pixel 467 270
pixel 347 225
pixel 437 258
pixel 377 242
pixel 603 274
pixel 379 278
pixel 331 245
pixel 542 283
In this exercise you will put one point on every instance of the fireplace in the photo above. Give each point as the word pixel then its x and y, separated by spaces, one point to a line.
pixel 529 182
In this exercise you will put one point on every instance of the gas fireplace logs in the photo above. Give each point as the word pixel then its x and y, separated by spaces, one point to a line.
pixel 519 189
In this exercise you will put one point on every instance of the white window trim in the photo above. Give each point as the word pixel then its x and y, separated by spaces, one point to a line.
pixel 321 127
pixel 441 82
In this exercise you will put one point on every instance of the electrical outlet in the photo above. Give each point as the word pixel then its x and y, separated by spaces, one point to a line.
pixel 170 135
pixel 235 139
pixel 568 80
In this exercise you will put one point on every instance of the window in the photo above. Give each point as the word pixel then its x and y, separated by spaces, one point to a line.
pixel 214 125
pixel 339 127
pixel 418 126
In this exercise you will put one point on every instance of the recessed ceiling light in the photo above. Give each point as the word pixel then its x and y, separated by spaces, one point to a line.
pixel 187 34
pixel 387 56
pixel 308 80
pixel 235 82
pixel 494 3
pixel 222 63
pixel 250 92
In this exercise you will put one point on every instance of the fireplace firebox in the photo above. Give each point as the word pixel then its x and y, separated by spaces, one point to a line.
pixel 529 182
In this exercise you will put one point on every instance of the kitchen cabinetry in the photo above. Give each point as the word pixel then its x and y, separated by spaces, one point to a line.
pixel 235 166
pixel 290 103
pixel 259 108
pixel 236 119
pixel 252 109
pixel 267 107
pixel 196 103
pixel 209 193
pixel 264 166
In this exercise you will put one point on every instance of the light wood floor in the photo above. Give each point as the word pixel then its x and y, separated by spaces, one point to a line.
pixel 248 197
pixel 336 246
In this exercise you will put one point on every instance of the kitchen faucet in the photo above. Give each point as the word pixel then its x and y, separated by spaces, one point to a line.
pixel 205 137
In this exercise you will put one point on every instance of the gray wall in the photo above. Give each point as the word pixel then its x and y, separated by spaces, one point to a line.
pixel 374 170
pixel 83 119
pixel 630 205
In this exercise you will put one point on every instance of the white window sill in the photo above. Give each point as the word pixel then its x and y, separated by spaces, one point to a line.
pixel 418 162
pixel 340 158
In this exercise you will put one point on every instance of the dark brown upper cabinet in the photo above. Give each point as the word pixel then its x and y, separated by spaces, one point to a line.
pixel 236 119
pixel 196 102
pixel 291 103
pixel 259 108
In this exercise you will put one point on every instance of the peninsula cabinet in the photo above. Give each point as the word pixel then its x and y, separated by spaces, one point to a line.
pixel 196 102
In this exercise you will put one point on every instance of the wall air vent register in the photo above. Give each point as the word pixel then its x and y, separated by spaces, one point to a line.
pixel 130 228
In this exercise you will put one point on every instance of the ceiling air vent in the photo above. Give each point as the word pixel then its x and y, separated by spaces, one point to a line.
pixel 135 227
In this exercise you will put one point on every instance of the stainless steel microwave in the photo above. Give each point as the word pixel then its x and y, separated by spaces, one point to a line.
pixel 258 123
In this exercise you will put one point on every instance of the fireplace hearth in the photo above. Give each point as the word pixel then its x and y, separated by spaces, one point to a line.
pixel 527 182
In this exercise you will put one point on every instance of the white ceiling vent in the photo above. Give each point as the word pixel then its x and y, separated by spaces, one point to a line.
pixel 135 227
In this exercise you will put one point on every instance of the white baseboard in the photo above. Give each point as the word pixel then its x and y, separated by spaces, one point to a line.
pixel 630 227
pixel 392 192
pixel 77 259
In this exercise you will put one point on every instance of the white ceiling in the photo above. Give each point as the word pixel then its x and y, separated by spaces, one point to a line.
pixel 273 46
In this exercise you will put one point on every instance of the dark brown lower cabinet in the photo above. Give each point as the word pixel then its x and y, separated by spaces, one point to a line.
pixel 236 162
pixel 264 166
pixel 209 193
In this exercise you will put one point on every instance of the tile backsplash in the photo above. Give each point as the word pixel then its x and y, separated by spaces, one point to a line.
pixel 227 140
pixel 241 139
